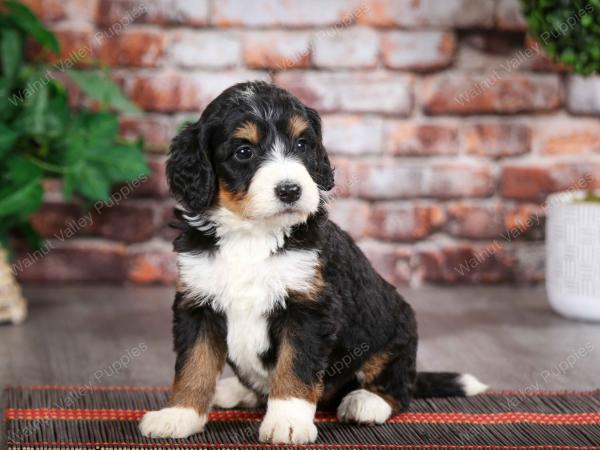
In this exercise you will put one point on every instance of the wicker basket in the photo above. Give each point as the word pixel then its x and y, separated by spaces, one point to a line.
pixel 13 307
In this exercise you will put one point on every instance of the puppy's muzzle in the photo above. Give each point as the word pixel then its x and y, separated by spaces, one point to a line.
pixel 288 192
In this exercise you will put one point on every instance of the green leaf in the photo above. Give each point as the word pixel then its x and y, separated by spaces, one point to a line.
pixel 12 53
pixel 104 90
pixel 92 183
pixel 118 101
pixel 32 237
pixel 34 111
pixel 103 127
pixel 57 123
pixel 7 139
pixel 20 170
pixel 29 23
pixel 121 162
pixel 22 199
pixel 69 185
pixel 8 101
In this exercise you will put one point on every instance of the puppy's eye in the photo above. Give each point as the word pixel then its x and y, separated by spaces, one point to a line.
pixel 243 153
pixel 301 145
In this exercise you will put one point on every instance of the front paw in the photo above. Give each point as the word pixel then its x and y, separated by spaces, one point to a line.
pixel 172 423
pixel 288 422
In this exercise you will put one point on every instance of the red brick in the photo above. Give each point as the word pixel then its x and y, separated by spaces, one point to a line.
pixel 154 185
pixel 130 221
pixel 531 260
pixel 535 181
pixel 270 13
pixel 422 51
pixel 390 261
pixel 487 51
pixel 81 10
pixel 429 13
pixel 526 182
pixel 76 48
pixel 47 10
pixel 351 92
pixel 583 95
pixel 350 48
pixel 212 49
pixel 475 220
pixel 467 263
pixel 277 50
pixel 509 15
pixel 352 216
pixel 347 173
pixel 496 139
pixel 540 61
pixel 211 84
pixel 405 138
pixel 80 260
pixel 564 136
pixel 405 222
pixel 352 134
pixel 139 48
pixel 526 221
pixel 152 262
pixel 125 221
pixel 497 92
pixel 156 130
pixel 172 12
pixel 392 179
pixel 54 217
pixel 174 92
pixel 167 232
pixel 164 92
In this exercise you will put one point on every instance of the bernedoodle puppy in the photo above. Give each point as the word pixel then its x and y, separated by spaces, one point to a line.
pixel 270 285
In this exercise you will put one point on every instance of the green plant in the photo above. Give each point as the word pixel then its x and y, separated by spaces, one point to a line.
pixel 568 30
pixel 41 136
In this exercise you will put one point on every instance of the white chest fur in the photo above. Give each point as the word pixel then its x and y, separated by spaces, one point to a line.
pixel 245 280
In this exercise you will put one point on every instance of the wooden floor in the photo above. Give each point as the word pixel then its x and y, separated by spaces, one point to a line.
pixel 101 335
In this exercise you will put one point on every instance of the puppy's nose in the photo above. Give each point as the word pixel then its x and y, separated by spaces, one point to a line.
pixel 288 192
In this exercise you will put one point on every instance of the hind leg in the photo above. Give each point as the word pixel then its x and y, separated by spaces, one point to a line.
pixel 230 392
pixel 386 386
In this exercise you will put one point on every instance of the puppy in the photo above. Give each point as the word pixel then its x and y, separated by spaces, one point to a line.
pixel 270 285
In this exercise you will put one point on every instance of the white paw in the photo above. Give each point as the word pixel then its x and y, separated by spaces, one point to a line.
pixel 364 407
pixel 289 422
pixel 172 423
pixel 231 393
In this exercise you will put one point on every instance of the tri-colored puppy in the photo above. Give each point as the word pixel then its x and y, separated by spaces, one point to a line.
pixel 270 285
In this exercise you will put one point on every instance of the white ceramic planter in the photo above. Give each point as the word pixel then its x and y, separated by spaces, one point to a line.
pixel 573 256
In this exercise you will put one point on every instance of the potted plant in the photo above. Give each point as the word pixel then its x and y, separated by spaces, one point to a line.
pixel 570 33
pixel 41 136
pixel 573 254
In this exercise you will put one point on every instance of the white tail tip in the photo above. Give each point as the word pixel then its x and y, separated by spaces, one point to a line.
pixel 471 385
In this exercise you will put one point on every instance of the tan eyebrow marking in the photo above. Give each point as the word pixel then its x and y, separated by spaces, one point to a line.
pixel 297 125
pixel 248 131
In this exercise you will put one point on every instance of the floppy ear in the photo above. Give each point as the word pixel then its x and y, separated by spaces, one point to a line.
pixel 324 170
pixel 189 171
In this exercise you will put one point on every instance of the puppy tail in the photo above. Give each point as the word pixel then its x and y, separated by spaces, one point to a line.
pixel 447 384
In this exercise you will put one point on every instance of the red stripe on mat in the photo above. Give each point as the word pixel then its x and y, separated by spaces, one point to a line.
pixel 51 387
pixel 244 445
pixel 236 415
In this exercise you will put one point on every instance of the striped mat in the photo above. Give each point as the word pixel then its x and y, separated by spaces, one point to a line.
pixel 106 417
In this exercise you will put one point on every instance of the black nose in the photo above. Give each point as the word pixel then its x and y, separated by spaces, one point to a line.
pixel 288 192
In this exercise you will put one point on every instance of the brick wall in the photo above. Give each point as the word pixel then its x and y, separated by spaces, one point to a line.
pixel 448 127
